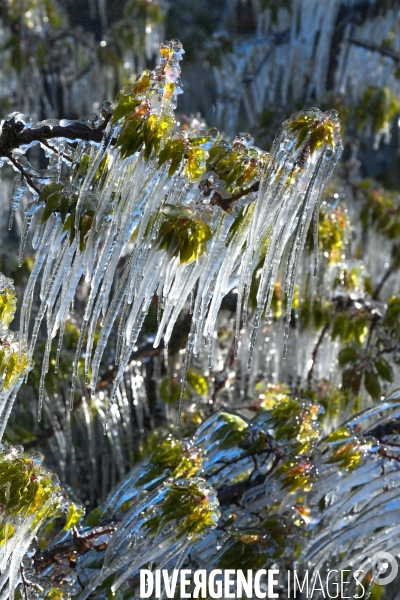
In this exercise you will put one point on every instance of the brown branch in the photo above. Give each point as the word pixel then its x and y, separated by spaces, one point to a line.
pixel 74 131
pixel 225 203
pixel 14 136
pixel 375 48
pixel 227 463
pixel 315 352
pixel 78 544
pixel 24 582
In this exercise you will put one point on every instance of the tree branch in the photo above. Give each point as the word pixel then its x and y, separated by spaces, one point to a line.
pixel 375 48
pixel 348 14
pixel 13 137
pixel 78 544
pixel 315 352
pixel 225 203
pixel 384 279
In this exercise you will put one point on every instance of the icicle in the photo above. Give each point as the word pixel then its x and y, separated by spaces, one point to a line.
pixel 59 345
pixel 315 237
pixel 28 216
pixel 18 191
pixel 75 365
pixel 28 295
pixel 45 369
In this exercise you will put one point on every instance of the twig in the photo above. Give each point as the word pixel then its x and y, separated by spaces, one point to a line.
pixel 24 173
pixel 384 279
pixel 56 152
pixel 315 352
pixel 24 582
pixel 77 544
pixel 225 203
pixel 375 48
pixel 47 433
pixel 76 37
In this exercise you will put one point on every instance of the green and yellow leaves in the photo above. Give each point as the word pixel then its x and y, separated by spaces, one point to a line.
pixel 58 199
pixel 192 507
pixel 25 488
pixel 170 389
pixel 296 421
pixel 233 432
pixel 126 106
pixel 8 301
pixel 12 366
pixel 173 150
pixel 296 475
pixel 51 195
pixel 311 127
pixel 345 449
pixel 186 151
pixel 171 458
pixel 236 165
pixel 333 231
pixel 381 210
pixel 74 515
pixel 183 234
pixel 379 105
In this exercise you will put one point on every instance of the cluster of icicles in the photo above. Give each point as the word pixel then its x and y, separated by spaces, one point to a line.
pixel 286 60
pixel 347 516
pixel 127 218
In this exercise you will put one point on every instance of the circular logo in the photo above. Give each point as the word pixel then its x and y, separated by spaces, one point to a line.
pixel 384 568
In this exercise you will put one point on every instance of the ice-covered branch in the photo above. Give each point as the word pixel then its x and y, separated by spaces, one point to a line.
pixel 187 209
pixel 14 134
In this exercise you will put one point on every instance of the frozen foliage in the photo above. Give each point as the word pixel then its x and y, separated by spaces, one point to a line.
pixel 13 358
pixel 29 496
pixel 187 210
pixel 268 492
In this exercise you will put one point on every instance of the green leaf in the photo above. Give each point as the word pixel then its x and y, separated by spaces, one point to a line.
pixel 384 370
pixel 177 157
pixel 198 383
pixel 372 384
pixel 49 190
pixel 126 105
pixel 351 380
pixel 340 327
pixel 64 208
pixel 347 355
pixel 74 514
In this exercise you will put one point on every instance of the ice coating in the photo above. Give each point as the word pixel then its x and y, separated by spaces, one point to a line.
pixel 13 356
pixel 185 211
pixel 29 496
